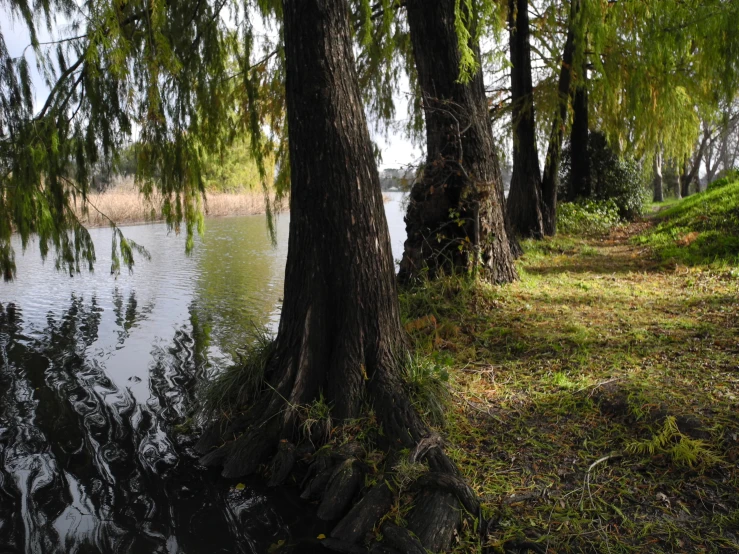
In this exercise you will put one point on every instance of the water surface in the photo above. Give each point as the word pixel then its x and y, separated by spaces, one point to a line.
pixel 97 376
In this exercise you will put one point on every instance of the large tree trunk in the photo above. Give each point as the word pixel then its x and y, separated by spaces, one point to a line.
pixel 580 186
pixel 550 179
pixel 658 195
pixel 524 198
pixel 455 218
pixel 340 334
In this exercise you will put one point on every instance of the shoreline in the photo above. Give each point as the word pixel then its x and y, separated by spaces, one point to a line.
pixel 128 207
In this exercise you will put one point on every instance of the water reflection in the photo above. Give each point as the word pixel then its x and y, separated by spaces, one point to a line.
pixel 97 377
pixel 84 467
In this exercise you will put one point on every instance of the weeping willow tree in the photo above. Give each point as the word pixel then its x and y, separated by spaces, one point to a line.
pixel 650 71
pixel 165 74
pixel 658 67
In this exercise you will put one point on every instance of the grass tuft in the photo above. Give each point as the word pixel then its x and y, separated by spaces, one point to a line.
pixel 427 382
pixel 316 423
pixel 231 390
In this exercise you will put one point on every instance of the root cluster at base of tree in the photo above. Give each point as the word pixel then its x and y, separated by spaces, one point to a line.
pixel 362 494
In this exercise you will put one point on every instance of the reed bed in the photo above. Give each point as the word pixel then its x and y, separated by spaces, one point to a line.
pixel 123 204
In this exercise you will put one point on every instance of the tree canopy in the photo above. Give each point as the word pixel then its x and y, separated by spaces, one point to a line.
pixel 186 79
pixel 183 79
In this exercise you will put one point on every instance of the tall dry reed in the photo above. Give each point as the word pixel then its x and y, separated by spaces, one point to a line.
pixel 123 204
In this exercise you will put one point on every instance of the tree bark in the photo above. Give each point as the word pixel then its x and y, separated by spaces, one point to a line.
pixel 580 186
pixel 550 179
pixel 340 334
pixel 455 219
pixel 691 167
pixel 685 182
pixel 677 188
pixel 658 195
pixel 724 157
pixel 524 198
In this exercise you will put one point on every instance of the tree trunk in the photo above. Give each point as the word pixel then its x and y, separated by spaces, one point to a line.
pixel 550 180
pixel 340 336
pixel 580 187
pixel 524 198
pixel 455 219
pixel 677 189
pixel 691 167
pixel 711 160
pixel 657 180
pixel 724 157
pixel 685 181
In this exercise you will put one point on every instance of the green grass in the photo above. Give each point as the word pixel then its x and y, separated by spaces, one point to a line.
pixel 698 230
pixel 230 391
pixel 656 207
pixel 596 401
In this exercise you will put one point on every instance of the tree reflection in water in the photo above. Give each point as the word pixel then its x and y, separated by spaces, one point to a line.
pixel 85 467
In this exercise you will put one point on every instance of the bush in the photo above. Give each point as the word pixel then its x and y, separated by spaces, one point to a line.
pixel 587 217
pixel 613 177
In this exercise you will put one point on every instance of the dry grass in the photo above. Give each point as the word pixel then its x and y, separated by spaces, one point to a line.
pixel 123 204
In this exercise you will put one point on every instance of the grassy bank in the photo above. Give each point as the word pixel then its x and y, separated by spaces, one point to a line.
pixel 701 229
pixel 596 401
pixel 124 205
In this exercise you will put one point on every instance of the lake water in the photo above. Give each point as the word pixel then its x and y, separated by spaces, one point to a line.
pixel 95 373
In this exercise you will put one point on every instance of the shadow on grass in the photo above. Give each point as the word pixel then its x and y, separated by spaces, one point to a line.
pixel 597 400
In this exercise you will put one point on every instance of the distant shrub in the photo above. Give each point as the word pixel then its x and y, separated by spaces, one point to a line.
pixel 615 178
pixel 587 217
pixel 731 176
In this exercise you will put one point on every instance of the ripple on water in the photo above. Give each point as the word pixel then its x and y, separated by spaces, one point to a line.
pixel 96 371
pixel 94 374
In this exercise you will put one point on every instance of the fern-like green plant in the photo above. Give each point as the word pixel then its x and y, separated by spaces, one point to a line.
pixel 682 450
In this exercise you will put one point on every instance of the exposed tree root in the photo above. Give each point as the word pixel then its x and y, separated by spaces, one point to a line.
pixel 282 464
pixel 335 478
pixel 435 518
pixel 365 514
pixel 343 486
pixel 401 539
